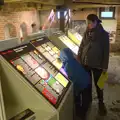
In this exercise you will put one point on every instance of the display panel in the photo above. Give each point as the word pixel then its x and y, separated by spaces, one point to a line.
pixel 51 52
pixel 75 37
pixel 38 71
pixel 69 43
pixel 78 36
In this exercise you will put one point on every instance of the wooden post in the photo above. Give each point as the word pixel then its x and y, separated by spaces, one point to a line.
pixel 62 21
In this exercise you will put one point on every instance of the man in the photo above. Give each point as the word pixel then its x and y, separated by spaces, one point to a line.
pixel 94 55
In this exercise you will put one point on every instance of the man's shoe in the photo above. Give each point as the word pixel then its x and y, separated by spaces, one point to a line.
pixel 102 109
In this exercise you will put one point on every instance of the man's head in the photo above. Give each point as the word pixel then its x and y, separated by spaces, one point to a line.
pixel 92 21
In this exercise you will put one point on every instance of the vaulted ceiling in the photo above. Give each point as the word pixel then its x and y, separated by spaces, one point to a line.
pixel 94 3
pixel 50 2
pixel 60 2
pixel 99 1
pixel 73 4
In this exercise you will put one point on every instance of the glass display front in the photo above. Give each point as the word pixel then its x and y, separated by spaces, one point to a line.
pixel 75 37
pixel 38 71
pixel 78 36
pixel 69 43
pixel 50 51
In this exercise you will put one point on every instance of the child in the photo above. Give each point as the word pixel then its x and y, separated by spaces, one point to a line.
pixel 80 79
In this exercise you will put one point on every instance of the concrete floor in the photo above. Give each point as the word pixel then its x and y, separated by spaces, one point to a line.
pixel 112 101
pixel 111 93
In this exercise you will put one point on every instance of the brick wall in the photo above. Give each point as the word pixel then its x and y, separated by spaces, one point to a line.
pixel 16 19
pixel 10 31
pixel 118 26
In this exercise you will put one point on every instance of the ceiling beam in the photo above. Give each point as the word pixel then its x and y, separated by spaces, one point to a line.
pixel 107 2
pixel 82 5
pixel 12 7
pixel 47 2
pixel 11 1
pixel 51 4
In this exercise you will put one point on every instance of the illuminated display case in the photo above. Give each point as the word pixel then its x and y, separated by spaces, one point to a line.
pixel 62 41
pixel 49 51
pixel 34 70
pixel 75 36
pixel 2 109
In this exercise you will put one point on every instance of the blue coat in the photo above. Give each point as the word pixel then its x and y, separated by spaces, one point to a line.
pixel 74 70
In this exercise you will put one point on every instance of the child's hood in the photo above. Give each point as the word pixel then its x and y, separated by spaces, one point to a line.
pixel 66 55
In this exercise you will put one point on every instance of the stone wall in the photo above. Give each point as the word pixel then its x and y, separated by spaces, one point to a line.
pixel 9 15
pixel 115 47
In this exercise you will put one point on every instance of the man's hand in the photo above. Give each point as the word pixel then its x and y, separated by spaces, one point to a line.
pixel 78 58
pixel 104 70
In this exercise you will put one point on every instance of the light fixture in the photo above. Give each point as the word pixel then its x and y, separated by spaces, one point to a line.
pixel 107 13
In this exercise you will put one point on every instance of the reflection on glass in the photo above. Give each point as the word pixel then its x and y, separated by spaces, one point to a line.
pixel 37 57
pixel 55 85
pixel 43 82
pixel 52 70
pixel 56 50
pixel 58 63
pixel 69 43
pixel 50 44
pixel 30 61
pixel 75 50
pixel 41 49
pixel 61 79
pixel 63 72
pixel 43 73
pixel 44 45
pixel 51 52
pixel 20 68
pixel 48 56
pixel 48 48
pixel 78 36
pixel 49 96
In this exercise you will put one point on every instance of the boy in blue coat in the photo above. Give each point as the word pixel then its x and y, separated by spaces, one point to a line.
pixel 80 79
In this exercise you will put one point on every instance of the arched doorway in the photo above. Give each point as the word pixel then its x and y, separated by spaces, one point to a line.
pixel 10 31
pixel 34 28
pixel 23 31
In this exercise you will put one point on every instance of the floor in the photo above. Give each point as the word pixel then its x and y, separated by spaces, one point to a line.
pixel 111 93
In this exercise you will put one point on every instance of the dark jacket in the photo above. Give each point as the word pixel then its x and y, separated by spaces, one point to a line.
pixel 94 49
pixel 74 70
